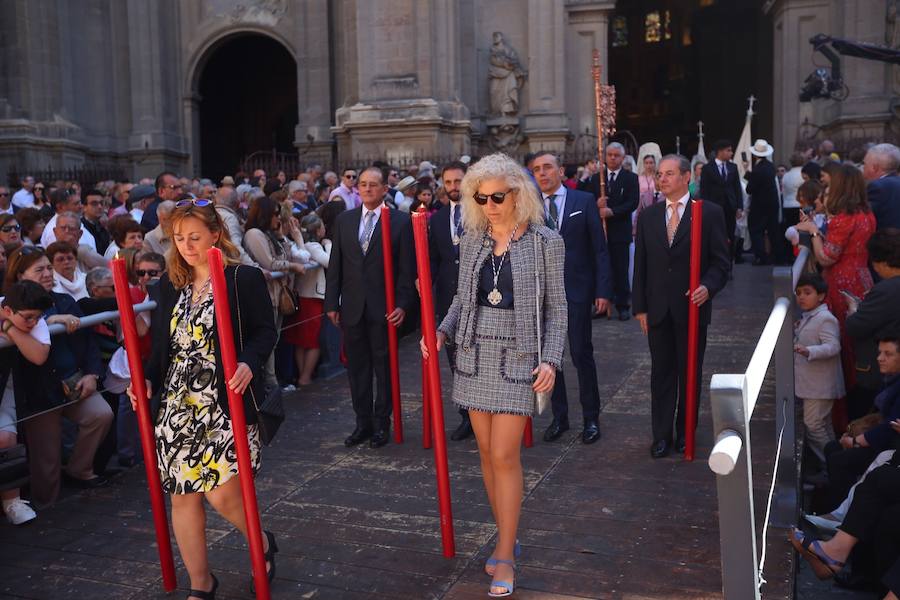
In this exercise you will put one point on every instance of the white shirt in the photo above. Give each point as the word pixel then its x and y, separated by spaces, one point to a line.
pixel 23 199
pixel 8 210
pixel 49 236
pixel 681 204
pixel 362 219
pixel 790 184
pixel 613 175
pixel 719 165
pixel 559 201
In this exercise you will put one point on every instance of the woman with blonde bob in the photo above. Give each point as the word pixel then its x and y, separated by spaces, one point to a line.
pixel 194 441
pixel 493 322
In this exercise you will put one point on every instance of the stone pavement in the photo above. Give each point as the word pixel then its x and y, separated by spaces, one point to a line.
pixel 601 521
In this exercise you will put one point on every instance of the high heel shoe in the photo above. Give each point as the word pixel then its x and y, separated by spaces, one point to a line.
pixel 507 587
pixel 203 595
pixel 491 563
pixel 269 557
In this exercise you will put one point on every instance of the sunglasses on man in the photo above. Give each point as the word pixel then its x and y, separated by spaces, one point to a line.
pixel 496 197
pixel 147 272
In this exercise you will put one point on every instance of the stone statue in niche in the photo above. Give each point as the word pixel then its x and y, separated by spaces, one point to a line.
pixel 506 77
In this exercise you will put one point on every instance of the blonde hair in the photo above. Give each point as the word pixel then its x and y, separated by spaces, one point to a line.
pixel 529 208
pixel 180 273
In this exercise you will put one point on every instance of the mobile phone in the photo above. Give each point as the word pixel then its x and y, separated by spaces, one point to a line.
pixel 744 156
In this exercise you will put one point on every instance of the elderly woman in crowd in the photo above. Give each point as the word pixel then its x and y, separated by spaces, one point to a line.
pixel 10 230
pixel 196 446
pixel 70 383
pixel 493 323
pixel 125 233
pixel 67 277
pixel 845 260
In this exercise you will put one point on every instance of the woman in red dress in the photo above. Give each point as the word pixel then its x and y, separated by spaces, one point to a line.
pixel 842 254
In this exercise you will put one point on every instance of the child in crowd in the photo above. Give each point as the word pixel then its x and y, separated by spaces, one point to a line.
pixel 809 196
pixel 21 324
pixel 818 379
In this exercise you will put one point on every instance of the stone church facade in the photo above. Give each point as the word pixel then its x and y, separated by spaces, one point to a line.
pixel 117 82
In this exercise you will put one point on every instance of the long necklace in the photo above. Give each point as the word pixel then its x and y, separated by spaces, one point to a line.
pixel 494 296
pixel 200 292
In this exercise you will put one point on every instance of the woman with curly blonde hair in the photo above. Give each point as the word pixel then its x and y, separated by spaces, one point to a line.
pixel 510 271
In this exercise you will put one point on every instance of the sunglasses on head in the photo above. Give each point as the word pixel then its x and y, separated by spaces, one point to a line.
pixel 201 202
pixel 147 272
pixel 497 197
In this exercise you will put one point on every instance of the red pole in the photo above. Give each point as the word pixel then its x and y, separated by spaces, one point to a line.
pixel 693 332
pixel 528 439
pixel 426 409
pixel 390 302
pixel 145 424
pixel 238 423
pixel 429 331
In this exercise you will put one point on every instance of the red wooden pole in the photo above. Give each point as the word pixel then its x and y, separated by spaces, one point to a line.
pixel 145 424
pixel 238 423
pixel 390 302
pixel 426 408
pixel 690 416
pixel 429 331
pixel 528 438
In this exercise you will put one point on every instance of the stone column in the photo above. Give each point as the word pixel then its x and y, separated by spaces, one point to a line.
pixel 312 135
pixel 546 124
pixel 587 28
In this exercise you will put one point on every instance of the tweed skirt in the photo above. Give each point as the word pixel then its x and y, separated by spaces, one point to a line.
pixel 492 375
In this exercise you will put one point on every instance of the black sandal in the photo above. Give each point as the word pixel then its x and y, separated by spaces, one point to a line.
pixel 269 557
pixel 202 595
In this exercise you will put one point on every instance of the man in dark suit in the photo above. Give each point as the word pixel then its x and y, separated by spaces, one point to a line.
pixel 444 232
pixel 720 184
pixel 880 169
pixel 354 300
pixel 588 287
pixel 622 195
pixel 661 286
pixel 764 204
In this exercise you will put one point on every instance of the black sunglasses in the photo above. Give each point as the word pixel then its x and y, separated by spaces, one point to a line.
pixel 148 272
pixel 201 202
pixel 8 228
pixel 497 197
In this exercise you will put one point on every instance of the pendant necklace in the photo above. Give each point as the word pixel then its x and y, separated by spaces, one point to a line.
pixel 494 296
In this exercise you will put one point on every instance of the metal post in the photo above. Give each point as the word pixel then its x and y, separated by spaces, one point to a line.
pixel 737 523
pixel 784 503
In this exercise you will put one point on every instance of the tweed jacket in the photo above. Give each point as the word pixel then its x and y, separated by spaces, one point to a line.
pixel 818 377
pixel 474 249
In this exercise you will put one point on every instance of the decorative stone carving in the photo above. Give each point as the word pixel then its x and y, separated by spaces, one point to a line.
pixel 504 134
pixel 263 12
pixel 506 77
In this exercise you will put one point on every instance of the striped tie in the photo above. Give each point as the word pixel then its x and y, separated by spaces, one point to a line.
pixel 672 225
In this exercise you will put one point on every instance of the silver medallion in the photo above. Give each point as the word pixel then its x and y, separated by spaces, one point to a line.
pixel 495 297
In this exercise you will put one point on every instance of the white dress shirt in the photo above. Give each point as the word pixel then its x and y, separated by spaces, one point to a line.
pixel 23 199
pixel 49 236
pixel 362 219
pixel 681 203
pixel 560 201
pixel 719 165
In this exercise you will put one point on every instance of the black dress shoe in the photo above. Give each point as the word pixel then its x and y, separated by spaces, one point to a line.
pixel 379 438
pixel 85 484
pixel 624 315
pixel 659 449
pixel 358 436
pixel 556 429
pixel 680 445
pixel 463 431
pixel 591 432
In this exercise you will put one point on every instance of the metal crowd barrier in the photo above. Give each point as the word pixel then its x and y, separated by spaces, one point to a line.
pixel 733 398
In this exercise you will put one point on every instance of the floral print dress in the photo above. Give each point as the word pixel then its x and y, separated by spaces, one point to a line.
pixel 194 441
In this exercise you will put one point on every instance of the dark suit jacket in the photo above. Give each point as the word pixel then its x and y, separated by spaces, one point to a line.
pixel 444 257
pixel 877 313
pixel 587 269
pixel 354 282
pixel 662 273
pixel 256 335
pixel 622 199
pixel 884 196
pixel 762 190
pixel 724 192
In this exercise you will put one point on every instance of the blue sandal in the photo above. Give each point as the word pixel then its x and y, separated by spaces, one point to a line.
pixel 508 587
pixel 491 563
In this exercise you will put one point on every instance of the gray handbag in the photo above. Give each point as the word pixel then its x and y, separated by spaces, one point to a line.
pixel 541 399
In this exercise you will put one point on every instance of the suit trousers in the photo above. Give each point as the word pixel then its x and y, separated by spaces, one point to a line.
pixel 582 349
pixel 365 344
pixel 619 256
pixel 668 369
pixel 43 435
pixel 760 227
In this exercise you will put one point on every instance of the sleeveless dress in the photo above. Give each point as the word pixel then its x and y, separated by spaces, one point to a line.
pixel 194 442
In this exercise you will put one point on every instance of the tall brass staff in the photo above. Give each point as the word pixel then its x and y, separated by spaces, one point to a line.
pixel 605 112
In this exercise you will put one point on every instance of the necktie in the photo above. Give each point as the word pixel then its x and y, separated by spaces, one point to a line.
pixel 612 177
pixel 553 220
pixel 672 225
pixel 724 172
pixel 457 221
pixel 367 231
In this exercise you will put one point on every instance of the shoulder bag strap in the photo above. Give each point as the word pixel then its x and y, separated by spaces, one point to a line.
pixel 537 291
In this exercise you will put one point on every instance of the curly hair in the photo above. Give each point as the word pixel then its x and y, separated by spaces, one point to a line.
pixel 529 208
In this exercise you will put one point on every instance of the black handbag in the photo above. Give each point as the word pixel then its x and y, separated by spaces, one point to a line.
pixel 270 414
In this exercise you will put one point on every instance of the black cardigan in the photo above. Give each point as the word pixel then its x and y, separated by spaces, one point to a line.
pixel 247 287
